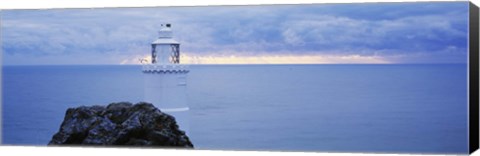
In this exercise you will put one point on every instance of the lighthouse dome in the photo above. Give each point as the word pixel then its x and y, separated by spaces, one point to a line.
pixel 165 31
pixel 165 35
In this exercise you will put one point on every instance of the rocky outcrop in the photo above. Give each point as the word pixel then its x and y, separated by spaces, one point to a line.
pixel 121 123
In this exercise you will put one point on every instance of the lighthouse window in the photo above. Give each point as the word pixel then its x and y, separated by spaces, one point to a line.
pixel 181 81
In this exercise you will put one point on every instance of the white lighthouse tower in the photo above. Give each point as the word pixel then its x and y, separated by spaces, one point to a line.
pixel 165 78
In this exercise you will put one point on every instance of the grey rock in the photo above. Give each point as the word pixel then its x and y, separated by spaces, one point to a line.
pixel 120 123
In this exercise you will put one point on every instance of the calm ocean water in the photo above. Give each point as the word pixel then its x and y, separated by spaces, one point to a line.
pixel 338 108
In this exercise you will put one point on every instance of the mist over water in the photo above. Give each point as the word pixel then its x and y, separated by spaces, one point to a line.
pixel 341 108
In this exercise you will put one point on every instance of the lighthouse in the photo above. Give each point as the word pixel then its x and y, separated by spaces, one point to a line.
pixel 165 78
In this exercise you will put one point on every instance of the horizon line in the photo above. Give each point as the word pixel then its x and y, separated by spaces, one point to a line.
pixel 236 64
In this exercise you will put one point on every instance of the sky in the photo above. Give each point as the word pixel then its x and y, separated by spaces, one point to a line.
pixel 418 32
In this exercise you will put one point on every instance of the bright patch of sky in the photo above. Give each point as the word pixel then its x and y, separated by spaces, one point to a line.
pixel 423 32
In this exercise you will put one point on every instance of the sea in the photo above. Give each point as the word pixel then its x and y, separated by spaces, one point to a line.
pixel 387 108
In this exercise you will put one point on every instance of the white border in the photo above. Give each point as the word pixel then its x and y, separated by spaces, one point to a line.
pixel 90 151
pixel 47 4
pixel 62 151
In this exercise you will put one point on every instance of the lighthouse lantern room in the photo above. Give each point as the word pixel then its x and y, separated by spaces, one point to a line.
pixel 165 78
pixel 165 50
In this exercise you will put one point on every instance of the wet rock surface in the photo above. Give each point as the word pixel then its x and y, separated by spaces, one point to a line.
pixel 121 123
